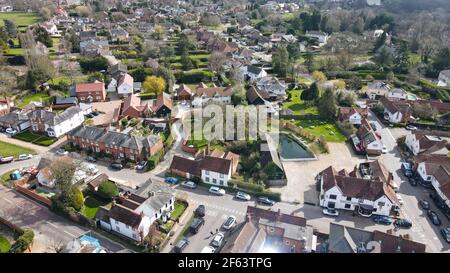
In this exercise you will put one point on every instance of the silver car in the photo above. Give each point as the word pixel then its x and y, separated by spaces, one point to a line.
pixel 243 196
pixel 189 184
pixel 218 239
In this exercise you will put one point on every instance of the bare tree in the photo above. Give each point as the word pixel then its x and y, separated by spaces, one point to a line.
pixel 216 61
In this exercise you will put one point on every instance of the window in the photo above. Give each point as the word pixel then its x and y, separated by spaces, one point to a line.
pixel 214 180
pixel 221 175
pixel 207 179
pixel 381 204
pixel 349 199
pixel 207 172
pixel 221 182
pixel 347 206
pixel 333 196
pixel 117 229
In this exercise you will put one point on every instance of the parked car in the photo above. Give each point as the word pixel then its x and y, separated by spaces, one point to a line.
pixel 181 244
pixel 231 220
pixel 381 219
pixel 10 131
pixel 407 169
pixel 196 225
pixel 405 223
pixel 384 149
pixel 425 184
pixel 25 156
pixel 243 196
pixel 200 211
pixel 216 190
pixel 218 239
pixel 171 180
pixel 437 201
pixel 374 126
pixel 189 184
pixel 208 249
pixel 6 159
pixel 413 181
pixel 434 218
pixel 89 116
pixel 424 204
pixel 411 127
pixel 62 152
pixel 94 113
pixel 91 159
pixel 116 166
pixel 330 212
pixel 141 165
pixel 266 201
pixel 446 234
pixel 400 199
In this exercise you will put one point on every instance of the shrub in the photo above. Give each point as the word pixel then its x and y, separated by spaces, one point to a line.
pixel 194 77
pixel 276 196
pixel 24 241
pixel 5 245
pixel 107 190
pixel 77 200
pixel 246 186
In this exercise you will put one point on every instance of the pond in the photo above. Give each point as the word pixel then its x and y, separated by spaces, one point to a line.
pixel 292 149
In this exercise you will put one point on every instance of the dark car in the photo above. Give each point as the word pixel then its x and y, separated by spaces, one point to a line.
pixel 413 181
pixel 446 234
pixel 91 159
pixel 424 204
pixel 437 201
pixel 266 201
pixel 196 225
pixel 407 169
pixel 404 223
pixel 385 220
pixel 94 113
pixel 89 116
pixel 434 218
pixel 181 244
pixel 200 211
pixel 116 166
pixel 425 184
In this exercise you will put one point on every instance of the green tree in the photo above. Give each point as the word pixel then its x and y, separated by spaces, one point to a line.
pixel 280 61
pixel 76 200
pixel 155 85
pixel 93 64
pixel 381 41
pixel 327 105
pixel 293 50
pixel 311 93
pixel 24 241
pixel 10 28
pixel 107 190
pixel 139 74
pixel 43 36
pixel 441 60
pixel 309 60
pixel 384 58
pixel 96 76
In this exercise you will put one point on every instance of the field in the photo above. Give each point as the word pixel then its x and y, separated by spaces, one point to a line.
pixel 8 149
pixel 298 105
pixel 22 19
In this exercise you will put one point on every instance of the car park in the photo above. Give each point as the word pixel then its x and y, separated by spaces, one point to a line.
pixel 196 225
pixel 189 184
pixel 381 219
pixel 200 211
pixel 25 156
pixel 116 166
pixel 218 239
pixel 229 223
pixel 266 201
pixel 171 180
pixel 434 218
pixel 181 245
pixel 404 223
pixel 216 190
pixel 91 159
pixel 142 165
pixel 445 232
pixel 243 196
pixel 330 212
pixel 424 204
pixel 62 152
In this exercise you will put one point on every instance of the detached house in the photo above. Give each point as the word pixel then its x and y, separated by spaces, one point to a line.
pixel 125 85
pixel 419 143
pixel 354 115
pixel 56 125
pixel 366 140
pixel 90 92
pixel 343 190
pixel 272 86
pixel 444 78
pixel 132 214
pixel 184 92
pixel 320 37
pixel 212 170
pixel 204 95
pixel 377 89
pixel 15 120
pixel 163 105
pixel 254 73
pixel 116 144
pixel 132 107
pixel 119 34
pixel 397 111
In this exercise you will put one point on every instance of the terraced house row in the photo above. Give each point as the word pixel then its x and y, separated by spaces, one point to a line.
pixel 118 145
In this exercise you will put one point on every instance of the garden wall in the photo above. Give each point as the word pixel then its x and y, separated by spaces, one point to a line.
pixel 19 185
pixel 187 149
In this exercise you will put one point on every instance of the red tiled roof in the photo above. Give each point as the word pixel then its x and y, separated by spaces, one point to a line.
pixel 89 87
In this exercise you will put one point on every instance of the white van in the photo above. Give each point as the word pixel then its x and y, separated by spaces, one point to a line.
pixel 394 186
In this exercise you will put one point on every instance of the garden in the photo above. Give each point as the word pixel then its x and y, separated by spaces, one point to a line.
pixel 22 19
pixel 297 105
pixel 8 149
pixel 35 138
pixel 38 97
pixel 318 128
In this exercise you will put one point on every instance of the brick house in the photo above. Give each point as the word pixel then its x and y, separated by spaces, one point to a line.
pixel 116 144
pixel 56 125
pixel 132 107
pixel 90 92
pixel 184 92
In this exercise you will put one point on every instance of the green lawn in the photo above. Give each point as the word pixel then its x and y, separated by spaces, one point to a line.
pixel 39 97
pixel 22 19
pixel 5 245
pixel 318 128
pixel 180 207
pixel 8 149
pixel 298 105
pixel 34 138
pixel 16 51
pixel 5 178
pixel 91 205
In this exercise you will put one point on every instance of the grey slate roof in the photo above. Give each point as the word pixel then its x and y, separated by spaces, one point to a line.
pixel 66 100
pixel 254 69
pixel 53 119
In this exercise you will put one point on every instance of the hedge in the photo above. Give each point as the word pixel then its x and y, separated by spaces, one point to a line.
pixel 437 92
pixel 246 185
pixel 194 77
pixel 24 241
pixel 155 159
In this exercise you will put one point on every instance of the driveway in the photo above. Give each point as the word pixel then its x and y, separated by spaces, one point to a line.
pixel 301 175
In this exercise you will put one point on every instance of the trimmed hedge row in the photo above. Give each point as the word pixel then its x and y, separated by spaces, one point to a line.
pixel 438 92
pixel 193 77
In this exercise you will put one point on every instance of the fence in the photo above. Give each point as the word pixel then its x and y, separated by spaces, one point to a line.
pixel 19 186
pixel 187 149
